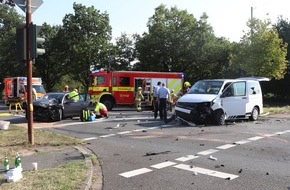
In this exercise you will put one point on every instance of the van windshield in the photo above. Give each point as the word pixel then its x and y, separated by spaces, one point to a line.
pixel 206 87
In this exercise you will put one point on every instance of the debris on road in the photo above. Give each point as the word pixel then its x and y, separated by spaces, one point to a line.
pixel 212 158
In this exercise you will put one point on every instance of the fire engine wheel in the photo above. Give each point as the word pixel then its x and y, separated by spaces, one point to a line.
pixel 254 114
pixel 219 117
pixel 109 103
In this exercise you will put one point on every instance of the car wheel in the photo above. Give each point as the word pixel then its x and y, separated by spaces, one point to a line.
pixel 219 117
pixel 59 115
pixel 254 114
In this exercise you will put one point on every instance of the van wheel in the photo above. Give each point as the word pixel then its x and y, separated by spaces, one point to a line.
pixel 254 114
pixel 219 117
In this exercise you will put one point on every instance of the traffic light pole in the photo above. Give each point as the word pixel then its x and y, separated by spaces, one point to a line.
pixel 29 109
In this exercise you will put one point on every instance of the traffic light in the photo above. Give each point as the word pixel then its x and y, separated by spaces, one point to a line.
pixel 35 42
pixel 21 43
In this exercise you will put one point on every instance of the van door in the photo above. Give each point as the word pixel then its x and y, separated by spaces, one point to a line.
pixel 234 100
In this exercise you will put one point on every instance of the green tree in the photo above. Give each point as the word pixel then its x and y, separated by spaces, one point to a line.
pixel 84 39
pixel 178 42
pixel 126 53
pixel 9 19
pixel 261 52
pixel 48 65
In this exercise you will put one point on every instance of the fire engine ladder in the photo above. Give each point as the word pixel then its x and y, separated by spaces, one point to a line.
pixel 17 103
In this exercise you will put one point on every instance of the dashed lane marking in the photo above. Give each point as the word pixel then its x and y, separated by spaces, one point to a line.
pixel 281 133
pixel 226 146
pixel 124 132
pixel 269 135
pixel 186 158
pixel 242 142
pixel 135 172
pixel 207 152
pixel 109 135
pixel 206 171
pixel 163 165
pixel 138 130
pixel 255 138
pixel 91 138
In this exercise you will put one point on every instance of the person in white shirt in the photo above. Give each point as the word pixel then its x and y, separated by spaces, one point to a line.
pixel 163 97
pixel 155 99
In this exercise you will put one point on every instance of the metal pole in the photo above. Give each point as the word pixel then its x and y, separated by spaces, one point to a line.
pixel 29 75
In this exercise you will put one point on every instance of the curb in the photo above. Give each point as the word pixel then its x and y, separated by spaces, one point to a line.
pixel 88 183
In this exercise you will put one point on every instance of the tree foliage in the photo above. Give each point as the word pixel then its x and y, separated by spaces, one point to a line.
pixel 83 39
pixel 261 52
pixel 177 41
pixel 9 19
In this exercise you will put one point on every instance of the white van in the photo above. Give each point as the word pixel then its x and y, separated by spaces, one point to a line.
pixel 218 100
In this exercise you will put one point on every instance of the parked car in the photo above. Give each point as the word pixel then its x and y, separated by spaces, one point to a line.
pixel 55 106
pixel 218 100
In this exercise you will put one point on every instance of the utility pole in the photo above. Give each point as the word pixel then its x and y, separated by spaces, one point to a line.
pixel 29 75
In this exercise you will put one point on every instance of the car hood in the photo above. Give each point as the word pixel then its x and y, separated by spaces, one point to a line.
pixel 197 98
pixel 45 102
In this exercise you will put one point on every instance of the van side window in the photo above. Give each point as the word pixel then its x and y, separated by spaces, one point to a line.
pixel 124 81
pixel 254 88
pixel 239 88
pixel 236 89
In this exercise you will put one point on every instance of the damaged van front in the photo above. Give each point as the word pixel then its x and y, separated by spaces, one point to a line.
pixel 217 100
pixel 201 104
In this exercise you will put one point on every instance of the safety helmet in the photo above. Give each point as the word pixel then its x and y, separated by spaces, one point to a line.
pixel 172 91
pixel 187 84
pixel 139 88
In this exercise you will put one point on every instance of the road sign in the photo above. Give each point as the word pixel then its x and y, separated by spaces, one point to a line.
pixel 34 4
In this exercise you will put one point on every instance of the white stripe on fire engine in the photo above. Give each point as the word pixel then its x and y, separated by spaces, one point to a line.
pixel 174 84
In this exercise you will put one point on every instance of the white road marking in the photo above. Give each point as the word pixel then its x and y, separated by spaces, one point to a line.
pixel 124 132
pixel 153 128
pixel 109 135
pixel 280 133
pixel 135 172
pixel 287 131
pixel 206 171
pixel 226 146
pixel 242 142
pixel 90 138
pixel 137 130
pixel 255 138
pixel 163 165
pixel 186 158
pixel 102 120
pixel 207 152
pixel 269 135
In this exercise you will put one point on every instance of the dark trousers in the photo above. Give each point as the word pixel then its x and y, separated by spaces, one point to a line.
pixel 156 107
pixel 163 108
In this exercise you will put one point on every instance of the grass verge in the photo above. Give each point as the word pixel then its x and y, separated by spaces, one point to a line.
pixel 68 176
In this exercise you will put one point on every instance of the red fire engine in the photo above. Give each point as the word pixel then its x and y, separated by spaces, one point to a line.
pixel 116 88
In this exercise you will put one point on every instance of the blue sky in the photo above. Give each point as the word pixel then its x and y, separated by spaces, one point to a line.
pixel 227 17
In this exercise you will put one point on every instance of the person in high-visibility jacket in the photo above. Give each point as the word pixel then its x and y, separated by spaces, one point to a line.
pixel 138 98
pixel 101 110
pixel 74 95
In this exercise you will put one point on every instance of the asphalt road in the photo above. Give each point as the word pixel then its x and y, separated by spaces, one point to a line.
pixel 138 152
